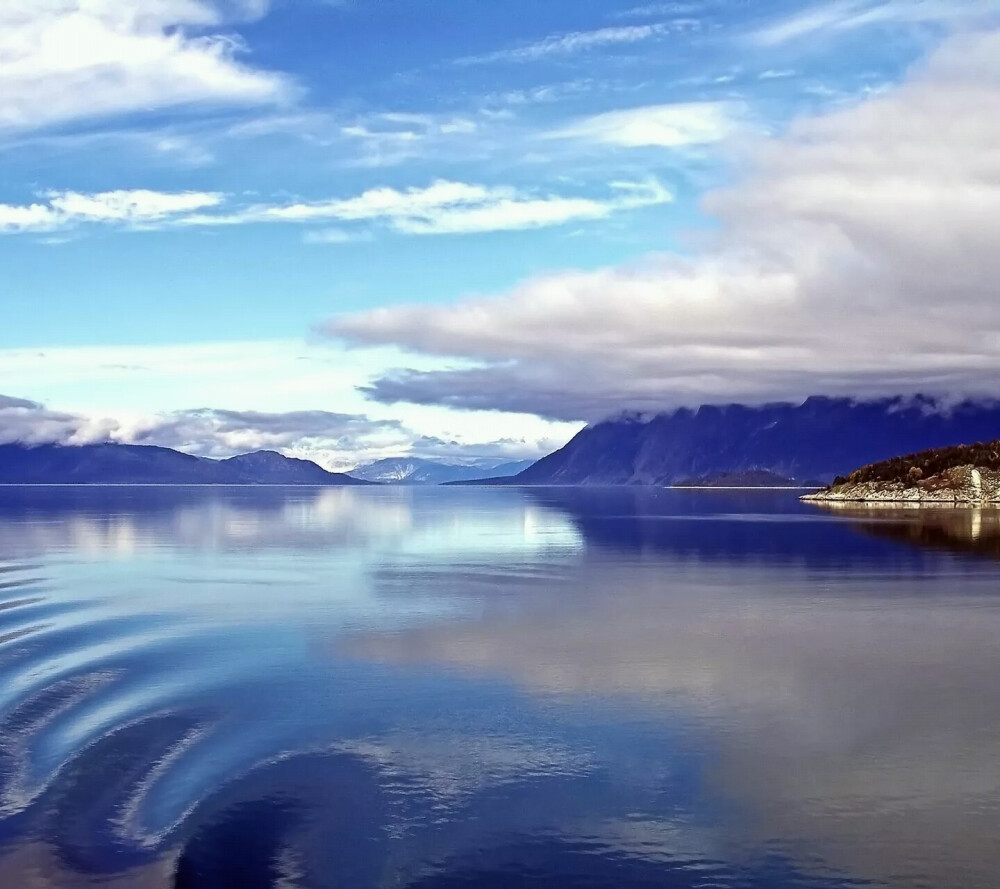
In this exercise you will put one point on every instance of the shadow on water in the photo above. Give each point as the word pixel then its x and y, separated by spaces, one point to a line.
pixel 767 525
pixel 970 531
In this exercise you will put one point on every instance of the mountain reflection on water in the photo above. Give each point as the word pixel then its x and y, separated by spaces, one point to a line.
pixel 493 688
pixel 971 530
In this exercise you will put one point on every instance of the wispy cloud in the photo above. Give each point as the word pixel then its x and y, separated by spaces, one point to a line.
pixel 62 209
pixel 846 15
pixel 567 44
pixel 443 207
pixel 337 236
pixel 446 207
pixel 63 60
pixel 390 138
pixel 670 7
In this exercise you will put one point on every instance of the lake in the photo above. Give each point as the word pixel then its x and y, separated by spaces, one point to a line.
pixel 442 688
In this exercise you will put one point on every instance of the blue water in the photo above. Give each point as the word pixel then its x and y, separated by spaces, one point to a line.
pixel 432 688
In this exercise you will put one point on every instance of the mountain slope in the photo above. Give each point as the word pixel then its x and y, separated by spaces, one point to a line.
pixel 813 441
pixel 272 468
pixel 146 464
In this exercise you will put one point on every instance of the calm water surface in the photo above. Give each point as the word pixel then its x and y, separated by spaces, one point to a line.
pixel 215 688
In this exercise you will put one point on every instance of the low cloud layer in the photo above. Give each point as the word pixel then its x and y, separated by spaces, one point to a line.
pixel 206 432
pixel 855 255
pixel 336 440
pixel 223 433
pixel 29 422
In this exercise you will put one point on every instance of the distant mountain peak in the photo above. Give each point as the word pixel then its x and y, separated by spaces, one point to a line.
pixel 409 470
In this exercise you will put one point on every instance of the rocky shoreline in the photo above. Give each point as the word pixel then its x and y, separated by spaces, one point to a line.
pixel 959 486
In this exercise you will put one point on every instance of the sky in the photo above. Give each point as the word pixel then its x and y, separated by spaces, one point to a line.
pixel 462 229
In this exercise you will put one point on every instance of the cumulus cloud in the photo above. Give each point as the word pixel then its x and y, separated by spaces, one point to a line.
pixel 63 60
pixel 855 255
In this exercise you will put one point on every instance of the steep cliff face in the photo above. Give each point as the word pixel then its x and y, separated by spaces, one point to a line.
pixel 810 442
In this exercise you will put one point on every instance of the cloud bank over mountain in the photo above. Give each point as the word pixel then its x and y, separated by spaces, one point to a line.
pixel 855 254
pixel 335 440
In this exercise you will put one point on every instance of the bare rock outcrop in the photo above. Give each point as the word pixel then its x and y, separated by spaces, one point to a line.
pixel 967 485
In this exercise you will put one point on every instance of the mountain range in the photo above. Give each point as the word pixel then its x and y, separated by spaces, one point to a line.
pixel 418 471
pixel 806 443
pixel 775 444
pixel 147 464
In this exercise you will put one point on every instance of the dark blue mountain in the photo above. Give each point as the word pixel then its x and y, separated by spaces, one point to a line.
pixel 145 464
pixel 809 442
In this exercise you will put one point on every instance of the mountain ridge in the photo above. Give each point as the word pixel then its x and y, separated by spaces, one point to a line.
pixel 810 442
pixel 113 463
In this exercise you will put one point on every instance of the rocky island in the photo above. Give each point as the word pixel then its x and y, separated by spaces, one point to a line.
pixel 964 475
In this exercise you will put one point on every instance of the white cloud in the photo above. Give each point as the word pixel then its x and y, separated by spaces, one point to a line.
pixel 336 236
pixel 443 207
pixel 846 15
pixel 446 207
pixel 664 126
pixel 393 137
pixel 136 207
pixel 857 256
pixel 666 8
pixel 30 422
pixel 568 44
pixel 63 60
pixel 224 433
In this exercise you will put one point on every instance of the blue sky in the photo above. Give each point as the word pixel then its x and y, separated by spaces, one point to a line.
pixel 451 227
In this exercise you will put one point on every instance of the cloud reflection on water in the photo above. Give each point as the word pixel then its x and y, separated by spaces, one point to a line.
pixel 672 687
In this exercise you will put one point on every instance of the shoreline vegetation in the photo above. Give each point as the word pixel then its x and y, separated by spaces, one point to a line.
pixel 963 475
